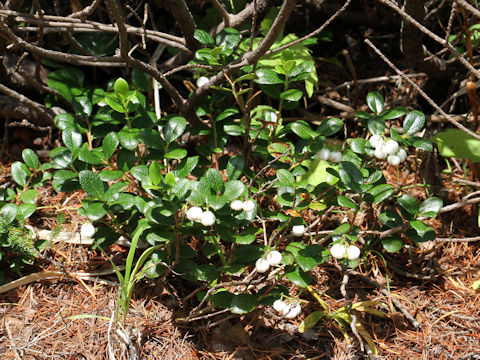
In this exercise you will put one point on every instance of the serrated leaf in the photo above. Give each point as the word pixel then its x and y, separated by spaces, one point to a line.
pixel 109 145
pixel 30 158
pixel 214 180
pixel 93 156
pixel 285 178
pixel 375 102
pixel 268 77
pixel 422 143
pixel 350 174
pixel 413 122
pixel 228 39
pixel 114 102
pixel 233 190
pixel 185 167
pixel 91 183
pixel 204 38
pixel 431 206
pixel 381 192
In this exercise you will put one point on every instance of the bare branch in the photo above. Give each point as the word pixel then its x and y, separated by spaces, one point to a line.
pixel 86 11
pixel 243 16
pixel 475 12
pixel 313 33
pixel 185 22
pixel 432 35
pixel 421 92
pixel 223 12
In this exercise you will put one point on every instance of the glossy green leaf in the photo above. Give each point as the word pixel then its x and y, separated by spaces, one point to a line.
pixel 174 128
pixel 413 122
pixel 457 143
pixel 422 143
pixel 30 158
pixel 235 167
pixel 268 77
pixel 431 206
pixel 303 130
pixel 233 190
pixel 228 39
pixel 358 145
pixel 214 180
pixel 114 102
pixel 381 192
pixel 20 173
pixel 392 244
pixel 93 156
pixel 298 277
pixel 291 95
pixel 176 154
pixel 350 174
pixel 311 256
pixel 109 145
pixel 376 125
pixel 409 203
pixel 120 87
pixel 128 138
pixel 204 38
pixel 419 232
pixel 243 303
pixel 91 183
pixel 185 167
pixel 330 126
pixel 346 202
pixel 394 113
pixel 155 172
pixel 8 212
pixel 29 197
pixel 375 102
pixel 285 177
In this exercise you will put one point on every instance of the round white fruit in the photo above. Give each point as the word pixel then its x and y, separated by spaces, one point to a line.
pixel 208 218
pixel 402 154
pixel 336 156
pixel 236 205
pixel 353 252
pixel 248 205
pixel 298 230
pixel 324 154
pixel 376 141
pixel 279 305
pixel 87 230
pixel 390 147
pixel 338 251
pixel 393 160
pixel 380 153
pixel 202 80
pixel 194 213
pixel 274 257
pixel 262 265
pixel 294 311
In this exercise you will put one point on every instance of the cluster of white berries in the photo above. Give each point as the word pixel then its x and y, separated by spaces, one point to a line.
pixel 272 258
pixel 206 218
pixel 387 149
pixel 87 230
pixel 288 311
pixel 333 156
pixel 239 205
pixel 340 251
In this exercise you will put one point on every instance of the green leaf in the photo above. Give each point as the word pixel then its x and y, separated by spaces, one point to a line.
pixel 392 244
pixel 109 145
pixel 268 76
pixel 394 113
pixel 120 87
pixel 233 190
pixel 351 175
pixel 65 80
pixel 109 175
pixel 422 143
pixel 457 143
pixel 222 299
pixel 94 210
pixel 235 167
pixel 310 321
pixel 419 232
pixel 176 154
pixel 311 256
pixel 29 197
pixel 226 113
pixel 214 180
pixel 26 210
pixel 243 303
pixel 91 183
pixel 358 145
pixel 97 43
pixel 391 218
pixel 291 95
pixel 285 178
pixel 30 158
pixel 431 206
pixel 174 128
pixel 93 156
pixel 128 138
pixel 20 173
pixel 185 167
pixel 376 125
pixel 298 277
pixel 155 173
pixel 228 39
pixel 8 212
pixel 375 102
pixel 61 157
pixel 329 127
pixel 204 38
pixel 114 102
pixel 381 192
pixel 82 106
pixel 413 122
pixel 409 203
pixel 72 139
pixel 303 130
pixel 206 272
pixel 140 80
pixel 346 202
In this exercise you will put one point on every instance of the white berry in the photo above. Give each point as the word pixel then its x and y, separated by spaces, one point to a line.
pixel 402 154
pixel 338 251
pixel 194 213
pixel 248 205
pixel 336 156
pixel 208 218
pixel 274 257
pixel 323 154
pixel 380 153
pixel 376 141
pixel 295 310
pixel 279 306
pixel 298 230
pixel 87 230
pixel 236 205
pixel 390 147
pixel 262 265
pixel 353 252
pixel 393 160
pixel 202 80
